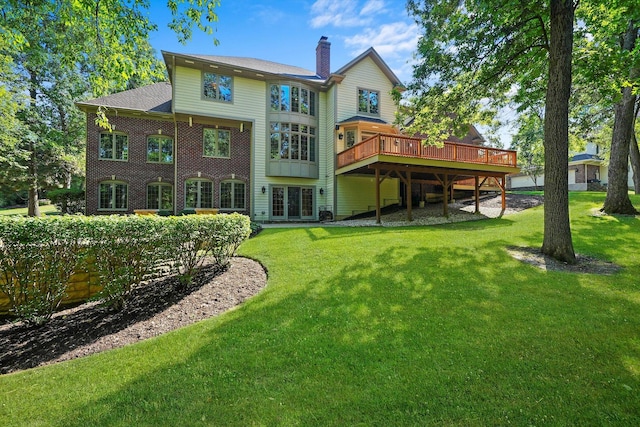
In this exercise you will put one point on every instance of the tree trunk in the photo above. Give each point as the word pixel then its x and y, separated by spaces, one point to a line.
pixel 617 200
pixel 33 207
pixel 634 152
pixel 557 231
pixel 634 155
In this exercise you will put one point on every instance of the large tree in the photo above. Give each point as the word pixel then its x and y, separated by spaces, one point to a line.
pixel 54 52
pixel 609 60
pixel 483 53
pixel 634 151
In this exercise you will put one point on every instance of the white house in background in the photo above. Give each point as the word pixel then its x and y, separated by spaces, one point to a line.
pixel 587 172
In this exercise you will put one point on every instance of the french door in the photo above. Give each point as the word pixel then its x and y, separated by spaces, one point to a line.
pixel 292 203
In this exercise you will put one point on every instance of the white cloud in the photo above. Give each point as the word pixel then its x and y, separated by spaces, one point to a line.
pixel 372 7
pixel 389 40
pixel 344 13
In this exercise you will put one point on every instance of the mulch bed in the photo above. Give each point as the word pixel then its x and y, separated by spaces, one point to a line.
pixel 154 308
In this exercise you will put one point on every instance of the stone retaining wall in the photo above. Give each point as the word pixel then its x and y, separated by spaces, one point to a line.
pixel 82 285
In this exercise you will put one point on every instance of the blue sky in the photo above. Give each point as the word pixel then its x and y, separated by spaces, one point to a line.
pixel 288 31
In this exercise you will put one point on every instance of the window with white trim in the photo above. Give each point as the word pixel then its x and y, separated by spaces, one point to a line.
pixel 113 195
pixel 232 195
pixel 114 146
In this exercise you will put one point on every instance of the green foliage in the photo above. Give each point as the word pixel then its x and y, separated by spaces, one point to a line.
pixel 529 141
pixel 193 238
pixel 68 200
pixel 226 233
pixel 54 53
pixel 125 253
pixel 38 255
pixel 37 258
pixel 473 59
pixel 375 326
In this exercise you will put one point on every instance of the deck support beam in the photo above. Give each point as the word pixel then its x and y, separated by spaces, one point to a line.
pixel 409 201
pixel 377 195
pixel 476 192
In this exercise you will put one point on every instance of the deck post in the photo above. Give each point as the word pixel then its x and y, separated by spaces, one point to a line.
pixel 504 196
pixel 377 195
pixel 445 195
pixel 477 193
pixel 409 201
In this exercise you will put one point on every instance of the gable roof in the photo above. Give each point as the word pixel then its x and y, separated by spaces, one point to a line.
pixel 375 57
pixel 246 64
pixel 153 98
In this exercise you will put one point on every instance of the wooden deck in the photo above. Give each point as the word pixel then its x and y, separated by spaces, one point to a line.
pixel 450 165
pixel 405 147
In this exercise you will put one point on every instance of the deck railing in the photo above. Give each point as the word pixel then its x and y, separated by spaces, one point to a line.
pixel 401 146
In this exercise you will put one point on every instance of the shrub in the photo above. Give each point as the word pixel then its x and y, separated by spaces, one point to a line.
pixel 39 255
pixel 228 231
pixel 68 200
pixel 125 253
pixel 37 258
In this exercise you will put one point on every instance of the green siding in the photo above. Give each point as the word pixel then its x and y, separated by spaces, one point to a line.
pixel 357 194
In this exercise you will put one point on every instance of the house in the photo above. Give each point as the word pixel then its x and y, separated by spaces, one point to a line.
pixel 274 141
pixel 588 171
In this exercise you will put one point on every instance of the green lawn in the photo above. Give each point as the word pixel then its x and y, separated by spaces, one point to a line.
pixel 23 211
pixel 376 326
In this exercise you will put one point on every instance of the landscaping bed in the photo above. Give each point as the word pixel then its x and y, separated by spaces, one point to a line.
pixel 155 308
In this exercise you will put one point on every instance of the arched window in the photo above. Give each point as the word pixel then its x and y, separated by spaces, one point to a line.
pixel 232 195
pixel 198 194
pixel 160 196
pixel 113 196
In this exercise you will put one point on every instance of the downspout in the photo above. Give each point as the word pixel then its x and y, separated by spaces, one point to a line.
pixel 175 138
pixel 334 178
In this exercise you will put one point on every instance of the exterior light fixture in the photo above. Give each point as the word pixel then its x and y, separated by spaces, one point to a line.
pixel 340 135
pixel 264 190
pixel 321 191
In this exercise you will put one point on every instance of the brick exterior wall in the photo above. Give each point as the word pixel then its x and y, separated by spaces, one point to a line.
pixel 191 161
pixel 323 58
pixel 137 173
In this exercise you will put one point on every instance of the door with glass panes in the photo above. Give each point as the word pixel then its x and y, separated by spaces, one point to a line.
pixel 290 203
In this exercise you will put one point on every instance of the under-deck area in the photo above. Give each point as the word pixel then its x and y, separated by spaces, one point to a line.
pixel 448 167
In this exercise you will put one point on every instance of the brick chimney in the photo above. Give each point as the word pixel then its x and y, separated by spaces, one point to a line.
pixel 323 58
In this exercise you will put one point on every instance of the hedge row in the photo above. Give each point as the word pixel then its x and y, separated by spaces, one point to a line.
pixel 39 255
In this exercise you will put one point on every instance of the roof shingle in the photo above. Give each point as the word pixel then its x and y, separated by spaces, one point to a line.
pixel 153 98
